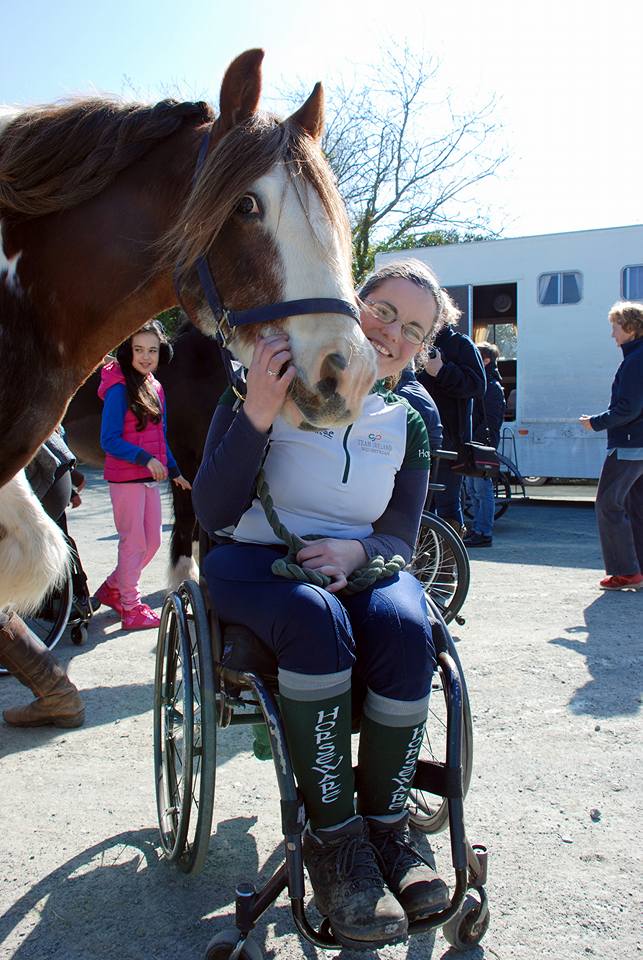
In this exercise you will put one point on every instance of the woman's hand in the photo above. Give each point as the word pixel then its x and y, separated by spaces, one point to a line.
pixel 182 483
pixel 336 558
pixel 269 377
pixel 156 468
pixel 585 421
pixel 433 365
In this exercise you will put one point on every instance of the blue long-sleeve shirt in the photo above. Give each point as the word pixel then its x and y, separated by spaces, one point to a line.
pixel 111 432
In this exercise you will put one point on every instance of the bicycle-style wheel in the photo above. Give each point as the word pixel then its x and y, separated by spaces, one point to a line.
pixel 430 813
pixel 441 564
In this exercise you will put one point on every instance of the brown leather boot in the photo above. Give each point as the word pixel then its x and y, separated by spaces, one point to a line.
pixel 30 662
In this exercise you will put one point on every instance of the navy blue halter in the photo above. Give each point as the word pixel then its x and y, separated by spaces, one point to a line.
pixel 227 320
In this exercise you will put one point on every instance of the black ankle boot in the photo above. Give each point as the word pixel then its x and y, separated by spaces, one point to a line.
pixel 349 888
pixel 415 884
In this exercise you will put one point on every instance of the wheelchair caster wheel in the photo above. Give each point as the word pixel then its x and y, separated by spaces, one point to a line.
pixel 469 925
pixel 79 634
pixel 225 946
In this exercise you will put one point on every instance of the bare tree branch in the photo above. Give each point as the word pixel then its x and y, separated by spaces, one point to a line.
pixel 399 182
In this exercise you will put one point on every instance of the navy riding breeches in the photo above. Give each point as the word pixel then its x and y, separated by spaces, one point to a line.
pixel 384 632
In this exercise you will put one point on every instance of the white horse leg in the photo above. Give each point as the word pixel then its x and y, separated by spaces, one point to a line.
pixel 186 569
pixel 33 550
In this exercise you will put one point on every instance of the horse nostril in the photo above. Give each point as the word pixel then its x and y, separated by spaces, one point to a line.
pixel 332 366
pixel 327 387
pixel 336 361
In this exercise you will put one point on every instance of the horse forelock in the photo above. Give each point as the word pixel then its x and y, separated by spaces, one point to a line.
pixel 246 154
pixel 57 156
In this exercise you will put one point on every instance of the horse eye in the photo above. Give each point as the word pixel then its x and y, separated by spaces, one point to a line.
pixel 248 206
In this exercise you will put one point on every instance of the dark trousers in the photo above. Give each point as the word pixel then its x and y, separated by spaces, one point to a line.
pixel 383 632
pixel 619 514
pixel 447 503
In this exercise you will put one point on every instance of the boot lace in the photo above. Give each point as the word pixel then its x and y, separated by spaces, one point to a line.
pixel 355 858
pixel 395 853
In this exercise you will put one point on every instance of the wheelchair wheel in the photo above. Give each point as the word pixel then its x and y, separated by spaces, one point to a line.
pixel 184 729
pixel 441 564
pixel 50 621
pixel 223 946
pixel 430 813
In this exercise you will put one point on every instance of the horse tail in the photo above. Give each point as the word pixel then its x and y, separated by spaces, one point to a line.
pixel 33 551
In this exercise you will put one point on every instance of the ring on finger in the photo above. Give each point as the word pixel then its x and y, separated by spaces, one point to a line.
pixel 271 373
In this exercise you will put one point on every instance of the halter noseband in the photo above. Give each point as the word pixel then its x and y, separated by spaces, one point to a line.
pixel 226 320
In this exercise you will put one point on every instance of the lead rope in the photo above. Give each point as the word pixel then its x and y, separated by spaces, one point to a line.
pixel 362 578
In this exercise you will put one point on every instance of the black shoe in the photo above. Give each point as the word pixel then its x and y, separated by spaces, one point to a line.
pixel 349 888
pixel 415 884
pixel 477 540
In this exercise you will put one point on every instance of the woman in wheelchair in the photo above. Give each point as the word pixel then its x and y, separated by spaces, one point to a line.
pixel 360 490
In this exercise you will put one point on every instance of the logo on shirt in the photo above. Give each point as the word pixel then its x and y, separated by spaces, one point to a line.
pixel 325 433
pixel 375 443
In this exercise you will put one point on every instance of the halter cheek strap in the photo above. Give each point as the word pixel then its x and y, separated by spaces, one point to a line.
pixel 226 320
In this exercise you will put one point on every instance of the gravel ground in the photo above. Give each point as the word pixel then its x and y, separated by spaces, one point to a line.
pixel 551 665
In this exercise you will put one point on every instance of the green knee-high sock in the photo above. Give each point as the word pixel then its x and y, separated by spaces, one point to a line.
pixel 390 739
pixel 316 711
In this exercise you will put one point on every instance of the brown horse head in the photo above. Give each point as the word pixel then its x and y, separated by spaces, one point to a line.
pixel 275 229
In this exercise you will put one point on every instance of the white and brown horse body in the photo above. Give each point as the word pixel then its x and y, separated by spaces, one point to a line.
pixel 78 276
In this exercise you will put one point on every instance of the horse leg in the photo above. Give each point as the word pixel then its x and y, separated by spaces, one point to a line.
pixel 182 564
pixel 33 551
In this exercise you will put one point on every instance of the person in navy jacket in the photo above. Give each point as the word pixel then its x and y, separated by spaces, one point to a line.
pixel 488 417
pixel 454 378
pixel 619 499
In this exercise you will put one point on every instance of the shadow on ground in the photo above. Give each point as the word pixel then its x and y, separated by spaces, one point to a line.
pixel 608 640
pixel 120 898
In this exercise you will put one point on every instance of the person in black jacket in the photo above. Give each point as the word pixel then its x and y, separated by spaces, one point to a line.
pixel 619 499
pixel 454 378
pixel 488 417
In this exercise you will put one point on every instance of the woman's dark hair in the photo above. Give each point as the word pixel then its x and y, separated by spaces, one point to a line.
pixel 142 398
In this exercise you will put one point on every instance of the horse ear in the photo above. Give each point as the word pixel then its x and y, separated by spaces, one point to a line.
pixel 240 90
pixel 311 115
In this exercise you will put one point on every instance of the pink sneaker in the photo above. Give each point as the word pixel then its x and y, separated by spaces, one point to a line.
pixel 109 596
pixel 633 581
pixel 141 617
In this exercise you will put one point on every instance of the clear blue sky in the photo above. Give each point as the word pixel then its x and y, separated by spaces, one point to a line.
pixel 566 73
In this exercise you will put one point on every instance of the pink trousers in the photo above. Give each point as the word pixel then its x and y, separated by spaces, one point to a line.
pixel 137 516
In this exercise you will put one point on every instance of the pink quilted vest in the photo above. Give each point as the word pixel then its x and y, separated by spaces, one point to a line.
pixel 151 439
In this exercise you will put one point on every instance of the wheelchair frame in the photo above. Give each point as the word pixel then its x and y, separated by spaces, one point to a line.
pixel 199 686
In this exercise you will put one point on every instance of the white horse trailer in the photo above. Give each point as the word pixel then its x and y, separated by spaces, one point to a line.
pixel 544 301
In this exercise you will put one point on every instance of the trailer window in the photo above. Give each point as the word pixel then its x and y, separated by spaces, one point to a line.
pixel 632 282
pixel 556 288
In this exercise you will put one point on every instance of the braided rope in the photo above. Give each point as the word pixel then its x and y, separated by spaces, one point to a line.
pixel 376 569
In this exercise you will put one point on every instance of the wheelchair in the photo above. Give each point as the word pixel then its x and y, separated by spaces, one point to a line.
pixel 209 677
pixel 441 562
pixel 67 606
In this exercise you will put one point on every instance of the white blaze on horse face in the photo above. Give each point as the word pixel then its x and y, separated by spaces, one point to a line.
pixel 335 362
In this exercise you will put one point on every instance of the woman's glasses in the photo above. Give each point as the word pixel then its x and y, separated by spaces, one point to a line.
pixel 387 313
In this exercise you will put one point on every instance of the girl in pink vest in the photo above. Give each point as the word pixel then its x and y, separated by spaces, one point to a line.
pixel 137 458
